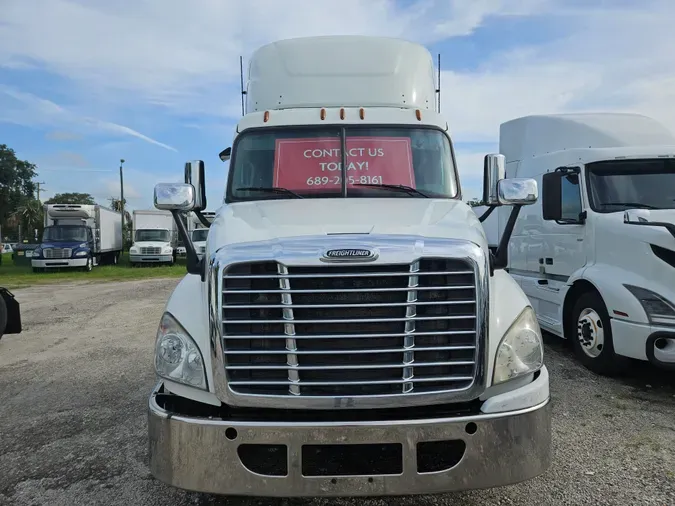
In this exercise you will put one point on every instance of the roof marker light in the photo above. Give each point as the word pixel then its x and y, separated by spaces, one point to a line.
pixel 323 114
pixel 266 116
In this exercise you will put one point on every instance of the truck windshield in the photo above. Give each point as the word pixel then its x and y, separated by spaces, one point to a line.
pixel 617 185
pixel 152 235
pixel 65 233
pixel 307 162
pixel 200 235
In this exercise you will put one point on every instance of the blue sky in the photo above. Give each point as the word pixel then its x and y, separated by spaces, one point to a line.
pixel 156 82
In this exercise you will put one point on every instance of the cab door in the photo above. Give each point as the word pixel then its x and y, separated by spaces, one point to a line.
pixel 558 252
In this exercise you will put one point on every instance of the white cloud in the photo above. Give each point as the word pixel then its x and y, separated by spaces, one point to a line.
pixel 26 109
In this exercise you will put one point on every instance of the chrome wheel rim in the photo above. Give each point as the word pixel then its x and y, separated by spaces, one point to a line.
pixel 590 333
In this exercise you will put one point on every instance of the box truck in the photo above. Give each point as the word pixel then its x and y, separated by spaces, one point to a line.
pixel 199 232
pixel 155 238
pixel 347 331
pixel 78 236
pixel 596 256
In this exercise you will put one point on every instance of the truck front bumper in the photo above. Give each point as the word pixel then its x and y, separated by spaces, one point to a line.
pixel 58 263
pixel 284 459
pixel 155 259
pixel 645 342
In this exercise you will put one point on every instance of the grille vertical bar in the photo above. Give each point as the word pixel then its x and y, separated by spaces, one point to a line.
pixel 409 339
pixel 289 330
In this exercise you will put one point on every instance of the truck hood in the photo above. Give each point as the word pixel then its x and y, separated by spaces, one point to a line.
pixel 270 219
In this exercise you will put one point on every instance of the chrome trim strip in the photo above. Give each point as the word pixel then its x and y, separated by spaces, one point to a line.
pixel 307 251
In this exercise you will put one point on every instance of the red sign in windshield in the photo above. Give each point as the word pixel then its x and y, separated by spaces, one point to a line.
pixel 304 164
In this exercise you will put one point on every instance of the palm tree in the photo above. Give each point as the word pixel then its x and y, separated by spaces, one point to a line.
pixel 30 215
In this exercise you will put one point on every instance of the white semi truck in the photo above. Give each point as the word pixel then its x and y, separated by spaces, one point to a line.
pixel 348 332
pixel 155 239
pixel 78 236
pixel 597 257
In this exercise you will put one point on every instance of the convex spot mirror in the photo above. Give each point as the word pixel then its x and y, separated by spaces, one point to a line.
pixel 174 196
pixel 517 191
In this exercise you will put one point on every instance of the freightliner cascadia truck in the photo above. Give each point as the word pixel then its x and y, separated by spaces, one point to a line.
pixel 347 331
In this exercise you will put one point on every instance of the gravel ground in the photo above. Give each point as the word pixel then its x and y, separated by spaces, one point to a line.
pixel 74 385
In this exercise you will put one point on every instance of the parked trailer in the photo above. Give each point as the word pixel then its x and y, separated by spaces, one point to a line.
pixel 78 236
pixel 360 340
pixel 597 257
pixel 155 238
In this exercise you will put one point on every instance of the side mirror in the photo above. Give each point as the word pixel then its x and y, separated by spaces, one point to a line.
pixel 174 196
pixel 194 175
pixel 494 170
pixel 225 154
pixel 517 191
pixel 552 196
pixel 636 216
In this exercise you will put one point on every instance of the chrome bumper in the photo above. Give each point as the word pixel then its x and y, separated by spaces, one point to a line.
pixel 59 262
pixel 150 258
pixel 201 454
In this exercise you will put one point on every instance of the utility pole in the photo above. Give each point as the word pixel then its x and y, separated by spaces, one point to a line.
pixel 39 190
pixel 122 200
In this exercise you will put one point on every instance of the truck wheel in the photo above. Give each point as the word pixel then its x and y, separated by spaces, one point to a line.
pixel 90 264
pixel 114 259
pixel 592 336
pixel 3 316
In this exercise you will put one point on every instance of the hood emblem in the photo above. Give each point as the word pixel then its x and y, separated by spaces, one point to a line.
pixel 349 255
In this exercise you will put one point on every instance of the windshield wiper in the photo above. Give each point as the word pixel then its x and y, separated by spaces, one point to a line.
pixel 397 187
pixel 271 189
pixel 630 204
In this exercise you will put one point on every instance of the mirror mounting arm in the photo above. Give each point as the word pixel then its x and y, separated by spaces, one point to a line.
pixel 487 213
pixel 202 219
pixel 502 256
pixel 193 261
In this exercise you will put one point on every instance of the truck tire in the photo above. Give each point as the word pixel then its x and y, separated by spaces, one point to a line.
pixel 592 336
pixel 90 264
pixel 3 316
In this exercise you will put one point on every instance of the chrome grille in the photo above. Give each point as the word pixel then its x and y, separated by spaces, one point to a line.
pixel 151 251
pixel 366 330
pixel 57 253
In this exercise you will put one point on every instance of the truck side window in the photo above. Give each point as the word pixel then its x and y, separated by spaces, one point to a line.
pixel 571 198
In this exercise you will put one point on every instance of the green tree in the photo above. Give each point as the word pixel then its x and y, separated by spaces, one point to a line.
pixel 16 184
pixel 71 198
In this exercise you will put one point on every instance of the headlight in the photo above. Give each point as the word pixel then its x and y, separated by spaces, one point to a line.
pixel 133 249
pixel 167 251
pixel 37 252
pixel 81 254
pixel 177 357
pixel 521 350
pixel 659 311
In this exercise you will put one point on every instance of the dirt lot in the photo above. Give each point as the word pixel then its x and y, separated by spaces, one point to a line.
pixel 74 385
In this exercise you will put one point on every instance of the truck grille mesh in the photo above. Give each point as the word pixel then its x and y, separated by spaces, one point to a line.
pixel 365 330
pixel 57 253
pixel 151 251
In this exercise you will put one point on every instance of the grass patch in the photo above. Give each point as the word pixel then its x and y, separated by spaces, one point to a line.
pixel 19 276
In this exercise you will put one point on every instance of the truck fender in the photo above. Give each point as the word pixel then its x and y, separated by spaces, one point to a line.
pixel 607 281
